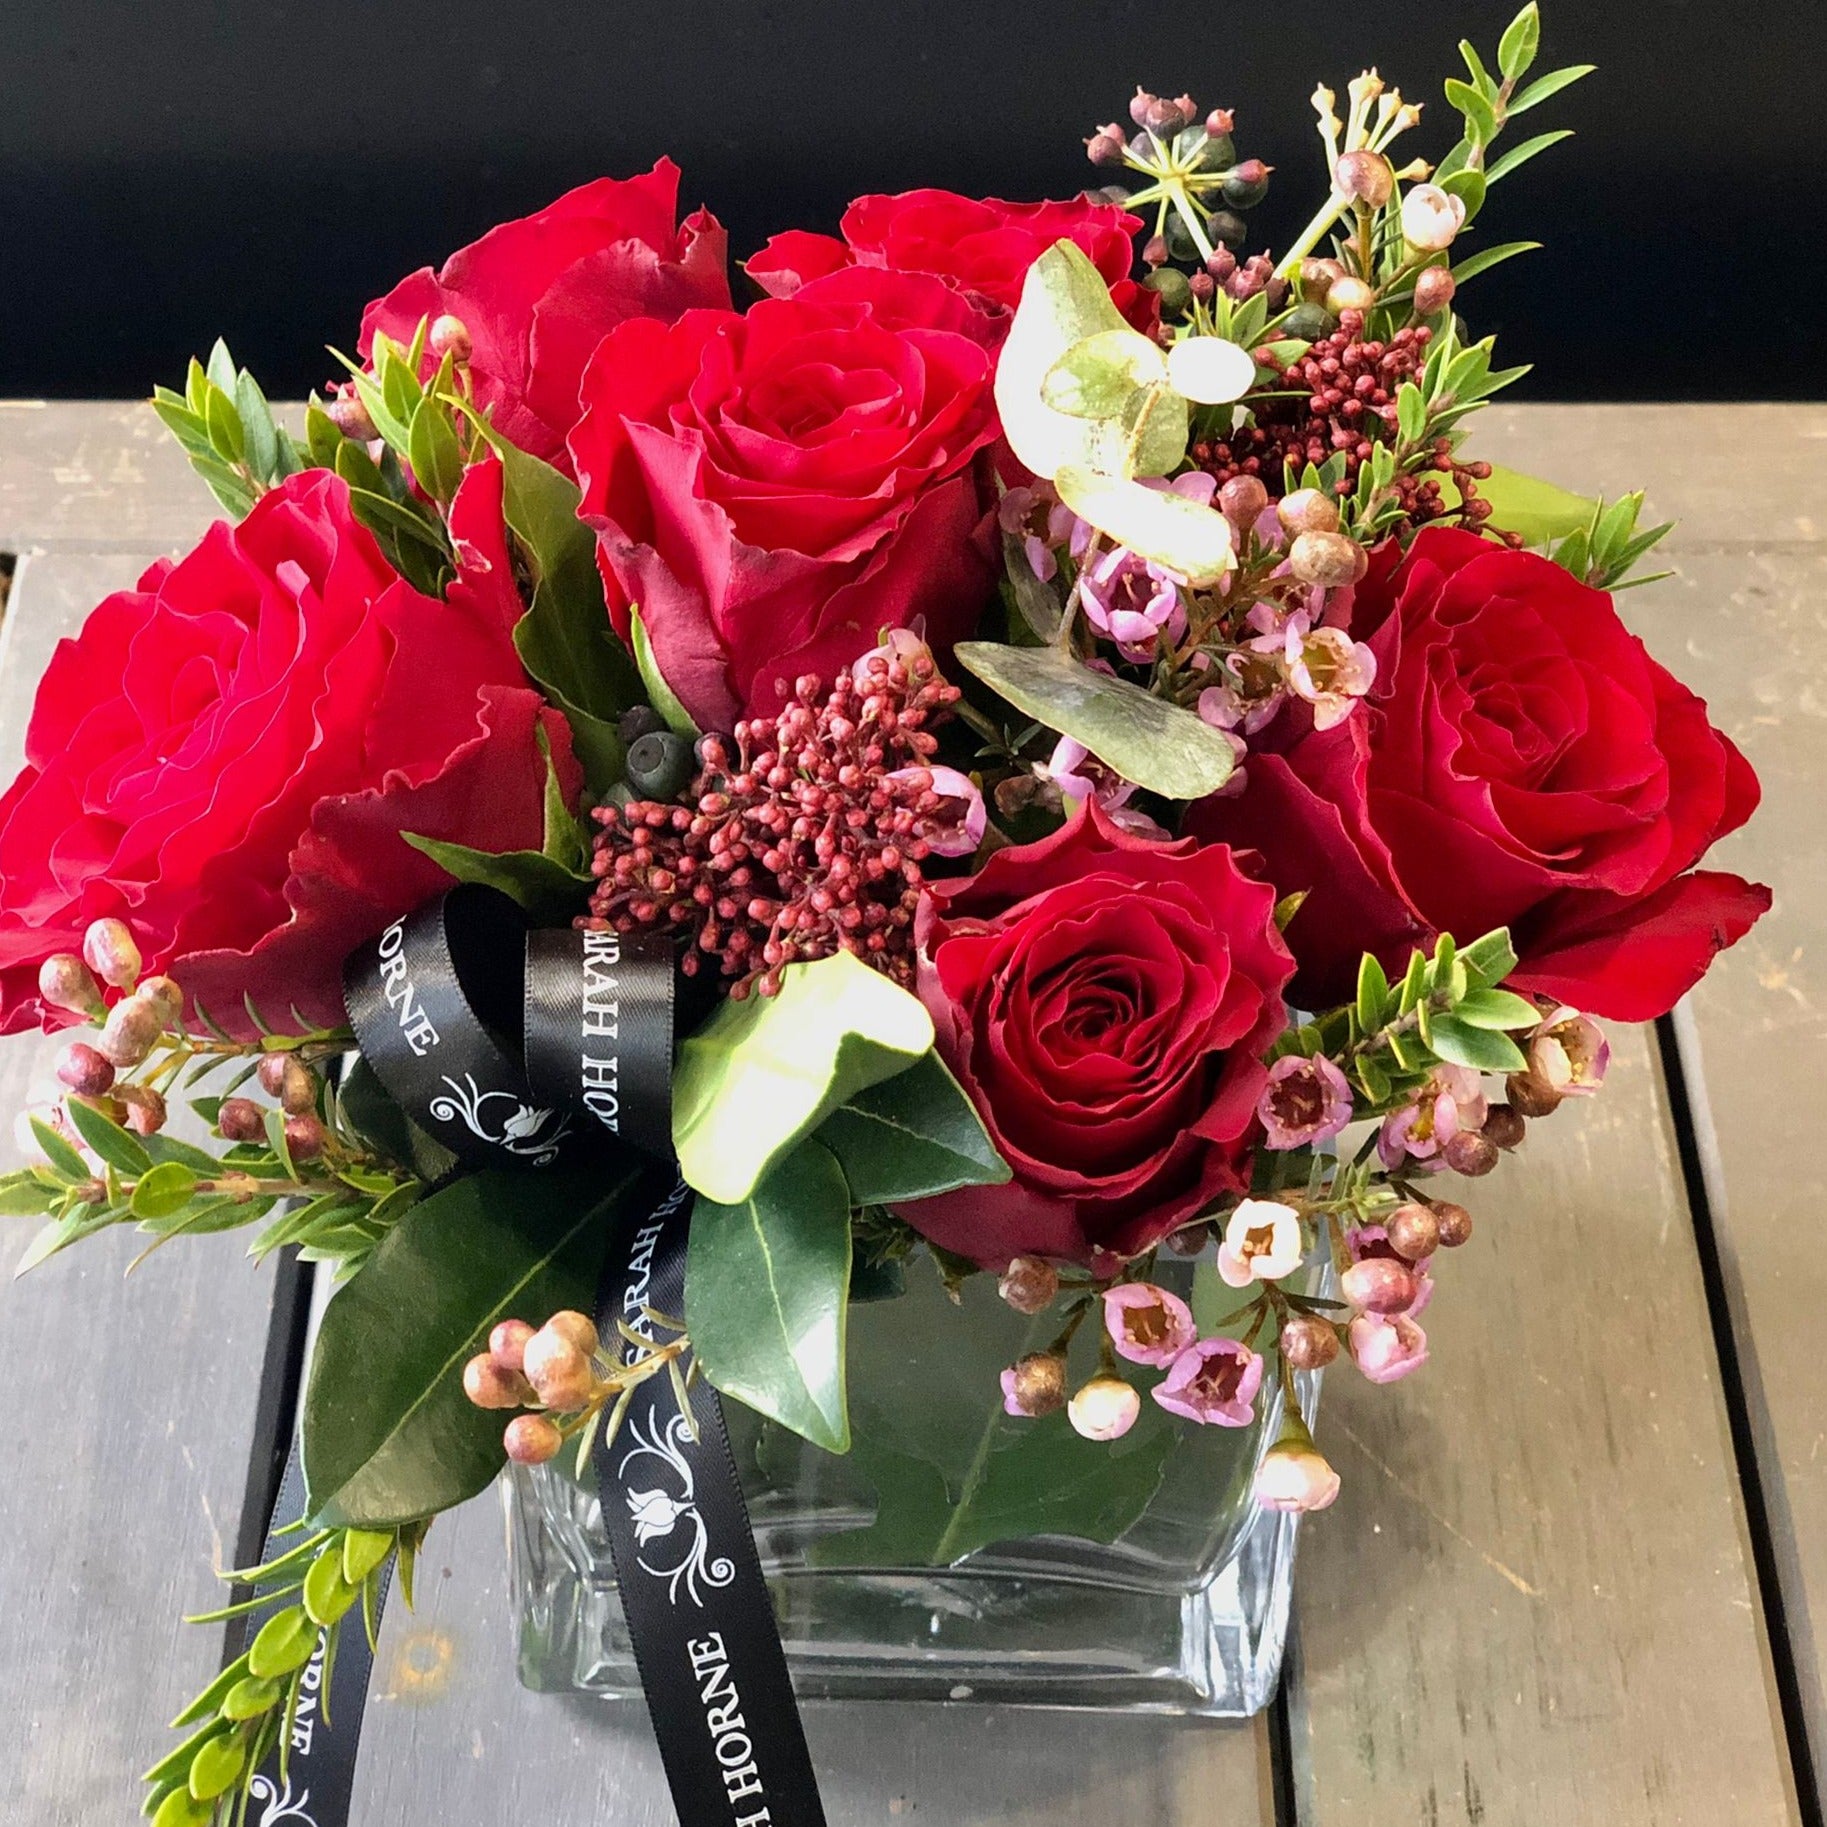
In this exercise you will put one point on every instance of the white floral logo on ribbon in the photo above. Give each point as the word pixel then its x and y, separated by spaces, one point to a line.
pixel 520 1129
pixel 281 1807
pixel 659 1515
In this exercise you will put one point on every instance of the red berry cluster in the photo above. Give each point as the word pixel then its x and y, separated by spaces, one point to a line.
pixel 805 841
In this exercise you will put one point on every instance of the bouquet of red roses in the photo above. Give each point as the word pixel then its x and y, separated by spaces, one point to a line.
pixel 976 755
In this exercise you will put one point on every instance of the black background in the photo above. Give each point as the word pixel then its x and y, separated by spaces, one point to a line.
pixel 171 171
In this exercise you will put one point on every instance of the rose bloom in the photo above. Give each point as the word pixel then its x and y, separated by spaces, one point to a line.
pixel 539 294
pixel 983 248
pixel 775 489
pixel 1521 761
pixel 1105 1000
pixel 226 757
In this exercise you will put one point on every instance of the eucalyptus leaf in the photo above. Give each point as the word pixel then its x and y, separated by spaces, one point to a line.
pixel 1064 300
pixel 766 1071
pixel 1158 745
pixel 389 1435
pixel 1099 377
pixel 912 1137
pixel 1185 535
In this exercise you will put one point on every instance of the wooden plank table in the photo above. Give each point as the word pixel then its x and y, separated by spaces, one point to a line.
pixel 1571 1575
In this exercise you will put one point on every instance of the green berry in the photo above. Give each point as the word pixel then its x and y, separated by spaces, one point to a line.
pixel 1174 287
pixel 1309 322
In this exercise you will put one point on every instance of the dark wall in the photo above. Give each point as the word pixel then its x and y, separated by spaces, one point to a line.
pixel 170 170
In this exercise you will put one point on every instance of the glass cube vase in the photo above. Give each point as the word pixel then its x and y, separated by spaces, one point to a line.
pixel 957 1553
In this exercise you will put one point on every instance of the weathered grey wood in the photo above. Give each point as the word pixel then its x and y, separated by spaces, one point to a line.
pixel 1532 1602
pixel 450 1736
pixel 126 1431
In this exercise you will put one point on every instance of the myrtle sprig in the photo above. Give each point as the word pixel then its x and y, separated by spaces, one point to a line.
pixel 250 1707
pixel 227 429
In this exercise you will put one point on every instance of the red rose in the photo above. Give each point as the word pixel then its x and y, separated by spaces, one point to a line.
pixel 226 756
pixel 1522 762
pixel 539 294
pixel 1106 1000
pixel 773 489
pixel 984 248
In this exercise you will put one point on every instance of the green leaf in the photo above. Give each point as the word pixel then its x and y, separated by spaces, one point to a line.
pixel 1521 40
pixel 1544 86
pixel 1185 535
pixel 64 1160
pixel 659 694
pixel 1469 187
pixel 1485 259
pixel 1495 1009
pixel 1144 738
pixel 1521 155
pixel 119 1147
pixel 545 887
pixel 911 1137
pixel 163 1191
pixel 1460 1044
pixel 1373 994
pixel 432 449
pixel 767 1283
pixel 1470 101
pixel 1411 412
pixel 1540 511
pixel 768 1070
pixel 388 1434
pixel 1064 300
pixel 1099 377
pixel 24 1195
pixel 1481 77
pixel 1034 600
pixel 286 1641
pixel 364 1106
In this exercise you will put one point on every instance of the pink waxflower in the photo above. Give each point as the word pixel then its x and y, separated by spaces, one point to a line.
pixel 1262 1242
pixel 1569 1053
pixel 899 647
pixel 1147 1325
pixel 1326 668
pixel 1080 775
pixel 1133 600
pixel 1305 1101
pixel 1387 1348
pixel 1044 525
pixel 1369 1243
pixel 965 832
pixel 1295 1474
pixel 1214 1382
pixel 1452 1099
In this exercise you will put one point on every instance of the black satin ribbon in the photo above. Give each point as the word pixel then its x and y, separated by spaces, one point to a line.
pixel 312 1785
pixel 523 1048
pixel 703 1629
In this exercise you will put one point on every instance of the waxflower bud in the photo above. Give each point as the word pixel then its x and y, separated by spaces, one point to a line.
pixel 507 1344
pixel 83 1069
pixel 297 1086
pixel 1242 500
pixel 579 1328
pixel 65 982
pixel 1028 1284
pixel 1036 1385
pixel 128 1033
pixel 1318 276
pixel 1379 1284
pixel 1307 510
pixel 449 336
pixel 305 1137
pixel 1308 1342
pixel 1189 1239
pixel 532 1440
pixel 1330 560
pixel 1530 1096
pixel 347 413
pixel 145 1108
pixel 1431 218
pixel 1364 177
pixel 241 1120
pixel 271 1073
pixel 109 950
pixel 165 996
pixel 1414 1231
pixel 1469 1153
pixel 1434 291
pixel 1350 294
pixel 489 1384
pixel 1294 1474
pixel 1455 1223
pixel 1505 1126
pixel 1104 1409
pixel 559 1371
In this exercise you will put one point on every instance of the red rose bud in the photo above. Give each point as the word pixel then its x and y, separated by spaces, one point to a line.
pixel 532 1440
pixel 109 950
pixel 83 1069
pixel 1434 289
pixel 507 1344
pixel 65 982
pixel 449 335
pixel 241 1120
pixel 1028 1284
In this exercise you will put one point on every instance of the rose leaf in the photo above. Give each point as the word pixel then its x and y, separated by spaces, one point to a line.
pixel 912 1137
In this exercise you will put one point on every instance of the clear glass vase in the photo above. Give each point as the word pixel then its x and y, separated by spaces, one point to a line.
pixel 956 1553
